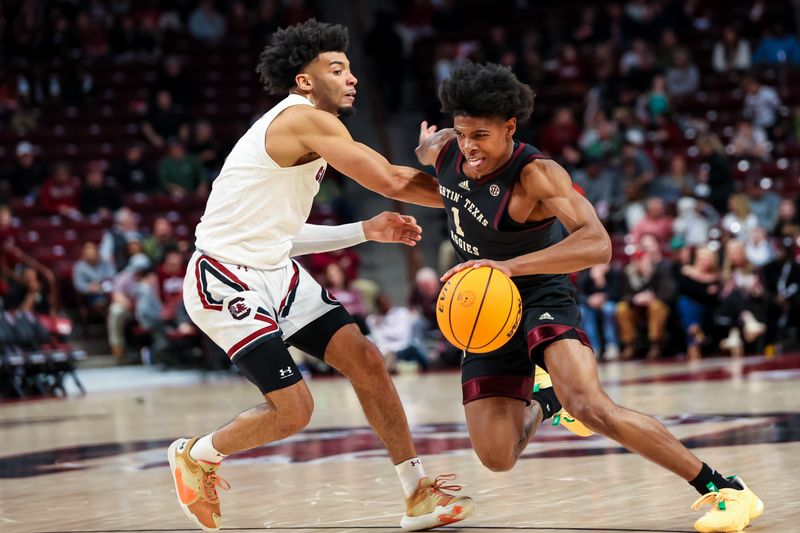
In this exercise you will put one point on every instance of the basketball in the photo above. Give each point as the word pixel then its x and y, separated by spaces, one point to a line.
pixel 479 309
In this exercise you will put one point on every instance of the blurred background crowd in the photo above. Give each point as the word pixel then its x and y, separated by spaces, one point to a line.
pixel 678 120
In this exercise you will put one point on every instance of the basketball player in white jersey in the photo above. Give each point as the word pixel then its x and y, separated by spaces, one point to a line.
pixel 246 293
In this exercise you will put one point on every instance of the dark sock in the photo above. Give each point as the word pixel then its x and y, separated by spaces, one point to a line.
pixel 547 399
pixel 709 480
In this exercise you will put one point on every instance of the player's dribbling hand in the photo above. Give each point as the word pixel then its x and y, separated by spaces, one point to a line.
pixel 475 263
pixel 393 227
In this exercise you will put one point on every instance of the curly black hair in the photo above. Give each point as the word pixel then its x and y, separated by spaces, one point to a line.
pixel 486 91
pixel 294 47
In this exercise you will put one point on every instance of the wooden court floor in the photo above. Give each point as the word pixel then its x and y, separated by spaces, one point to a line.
pixel 98 464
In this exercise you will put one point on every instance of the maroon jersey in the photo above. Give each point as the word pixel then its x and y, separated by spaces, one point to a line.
pixel 477 213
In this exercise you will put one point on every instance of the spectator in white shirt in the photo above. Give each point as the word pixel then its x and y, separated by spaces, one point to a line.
pixel 749 141
pixel 759 249
pixel 761 103
pixel 740 220
pixel 731 53
pixel 391 329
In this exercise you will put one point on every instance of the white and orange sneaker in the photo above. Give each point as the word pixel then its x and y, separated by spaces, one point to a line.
pixel 429 506
pixel 196 485
pixel 541 380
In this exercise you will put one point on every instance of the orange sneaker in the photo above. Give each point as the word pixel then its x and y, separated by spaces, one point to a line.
pixel 196 485
pixel 429 506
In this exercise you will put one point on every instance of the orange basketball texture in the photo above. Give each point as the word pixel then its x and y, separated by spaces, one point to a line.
pixel 479 309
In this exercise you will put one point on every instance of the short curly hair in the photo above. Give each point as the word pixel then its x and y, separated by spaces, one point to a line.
pixel 486 91
pixel 290 49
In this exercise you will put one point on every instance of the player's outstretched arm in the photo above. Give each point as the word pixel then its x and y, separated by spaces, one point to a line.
pixel 386 227
pixel 431 142
pixel 324 134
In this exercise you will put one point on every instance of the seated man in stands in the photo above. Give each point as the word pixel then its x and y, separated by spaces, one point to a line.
pixel 170 275
pixel 598 292
pixel 133 172
pixel 165 119
pixel 149 311
pixel 427 336
pixel 59 194
pixel 123 297
pixel 648 290
pixel 348 260
pixel 114 244
pixel 655 222
pixel 161 239
pixel 181 173
pixel 96 195
pixel 92 278
pixel 392 330
pixel 742 303
pixel 781 280
pixel 339 286
pixel 30 295
pixel 27 174
pixel 12 258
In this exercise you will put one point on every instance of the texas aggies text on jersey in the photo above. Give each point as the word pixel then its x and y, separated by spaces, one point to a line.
pixel 477 212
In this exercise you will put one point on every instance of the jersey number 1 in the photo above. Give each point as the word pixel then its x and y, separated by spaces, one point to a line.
pixel 457 221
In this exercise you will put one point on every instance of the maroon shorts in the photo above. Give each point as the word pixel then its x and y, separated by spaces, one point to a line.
pixel 508 371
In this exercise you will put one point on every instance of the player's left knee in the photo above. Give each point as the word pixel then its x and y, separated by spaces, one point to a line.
pixel 366 361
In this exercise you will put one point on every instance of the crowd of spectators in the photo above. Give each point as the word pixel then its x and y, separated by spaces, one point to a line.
pixel 683 130
pixel 125 275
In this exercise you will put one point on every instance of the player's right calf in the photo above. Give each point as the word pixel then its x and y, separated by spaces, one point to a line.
pixel 196 485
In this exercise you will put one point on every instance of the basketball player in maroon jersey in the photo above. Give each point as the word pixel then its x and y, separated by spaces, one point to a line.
pixel 512 208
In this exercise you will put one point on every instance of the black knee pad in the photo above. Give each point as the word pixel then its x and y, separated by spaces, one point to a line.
pixel 269 366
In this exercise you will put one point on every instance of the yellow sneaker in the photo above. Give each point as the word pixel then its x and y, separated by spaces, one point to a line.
pixel 731 509
pixel 541 380
pixel 195 485
pixel 430 507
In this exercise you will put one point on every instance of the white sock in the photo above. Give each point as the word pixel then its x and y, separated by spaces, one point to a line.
pixel 410 472
pixel 203 450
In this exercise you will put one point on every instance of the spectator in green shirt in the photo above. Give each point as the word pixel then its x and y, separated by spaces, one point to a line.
pixel 181 174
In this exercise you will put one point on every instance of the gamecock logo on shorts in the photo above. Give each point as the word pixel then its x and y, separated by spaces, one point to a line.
pixel 238 308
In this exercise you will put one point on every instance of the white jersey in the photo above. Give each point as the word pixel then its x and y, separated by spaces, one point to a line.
pixel 256 207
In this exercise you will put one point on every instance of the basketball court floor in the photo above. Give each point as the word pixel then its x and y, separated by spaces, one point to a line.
pixel 97 463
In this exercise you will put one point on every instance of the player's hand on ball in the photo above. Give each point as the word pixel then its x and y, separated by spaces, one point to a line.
pixel 475 263
pixel 393 227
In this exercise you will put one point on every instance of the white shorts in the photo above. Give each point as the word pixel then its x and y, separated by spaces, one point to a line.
pixel 239 307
